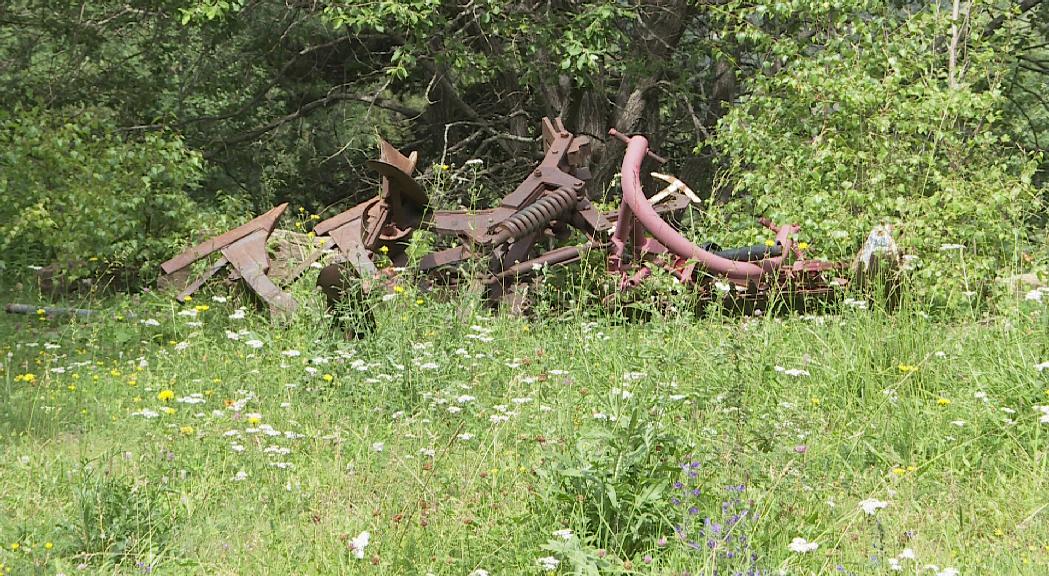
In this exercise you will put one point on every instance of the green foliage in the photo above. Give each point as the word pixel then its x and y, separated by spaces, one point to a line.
pixel 117 521
pixel 613 479
pixel 209 9
pixel 75 190
pixel 869 128
pixel 584 559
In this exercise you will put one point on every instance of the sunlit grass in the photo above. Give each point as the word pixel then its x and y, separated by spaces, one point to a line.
pixel 227 446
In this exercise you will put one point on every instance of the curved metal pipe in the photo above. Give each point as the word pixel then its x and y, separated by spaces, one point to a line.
pixel 635 199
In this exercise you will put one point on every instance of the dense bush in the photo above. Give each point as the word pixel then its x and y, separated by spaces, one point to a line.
pixel 873 129
pixel 74 190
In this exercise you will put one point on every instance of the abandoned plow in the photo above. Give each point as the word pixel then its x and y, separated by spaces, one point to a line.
pixel 545 221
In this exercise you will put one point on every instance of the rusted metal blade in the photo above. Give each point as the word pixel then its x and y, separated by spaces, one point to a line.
pixel 444 258
pixel 677 202
pixel 196 284
pixel 314 256
pixel 341 218
pixel 267 222
pixel 390 154
pixel 248 256
pixel 401 181
pixel 348 239
pixel 472 223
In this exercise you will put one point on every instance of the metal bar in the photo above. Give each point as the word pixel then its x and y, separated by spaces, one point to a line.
pixel 639 206
pixel 48 310
pixel 565 255
pixel 626 140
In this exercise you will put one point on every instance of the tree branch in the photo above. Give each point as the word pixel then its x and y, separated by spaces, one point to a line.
pixel 1000 20
pixel 308 108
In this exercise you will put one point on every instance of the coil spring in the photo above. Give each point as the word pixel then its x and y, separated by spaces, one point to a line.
pixel 535 216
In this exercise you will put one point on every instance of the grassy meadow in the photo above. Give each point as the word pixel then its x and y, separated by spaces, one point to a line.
pixel 160 438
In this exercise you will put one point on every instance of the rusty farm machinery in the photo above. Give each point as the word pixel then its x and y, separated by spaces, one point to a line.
pixel 546 221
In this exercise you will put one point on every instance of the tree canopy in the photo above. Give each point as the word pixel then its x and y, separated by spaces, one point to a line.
pixel 816 110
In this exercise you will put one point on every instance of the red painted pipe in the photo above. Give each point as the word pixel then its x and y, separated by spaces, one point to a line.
pixel 638 204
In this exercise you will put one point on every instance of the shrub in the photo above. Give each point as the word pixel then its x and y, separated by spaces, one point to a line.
pixel 855 129
pixel 75 190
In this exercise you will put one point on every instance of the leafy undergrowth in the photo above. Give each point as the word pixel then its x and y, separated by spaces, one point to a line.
pixel 198 439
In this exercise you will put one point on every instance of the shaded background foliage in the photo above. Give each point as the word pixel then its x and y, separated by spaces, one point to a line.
pixel 814 111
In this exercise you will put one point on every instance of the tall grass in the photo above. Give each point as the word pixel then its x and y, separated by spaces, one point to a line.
pixel 462 440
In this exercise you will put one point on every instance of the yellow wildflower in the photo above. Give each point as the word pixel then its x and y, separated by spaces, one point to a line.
pixel 899 471
pixel 165 395
pixel 803 245
pixel 48 545
pixel 943 401
pixel 186 430
pixel 168 410
pixel 72 387
pixel 201 307
pixel 770 243
pixel 907 368
pixel 398 289
pixel 328 377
